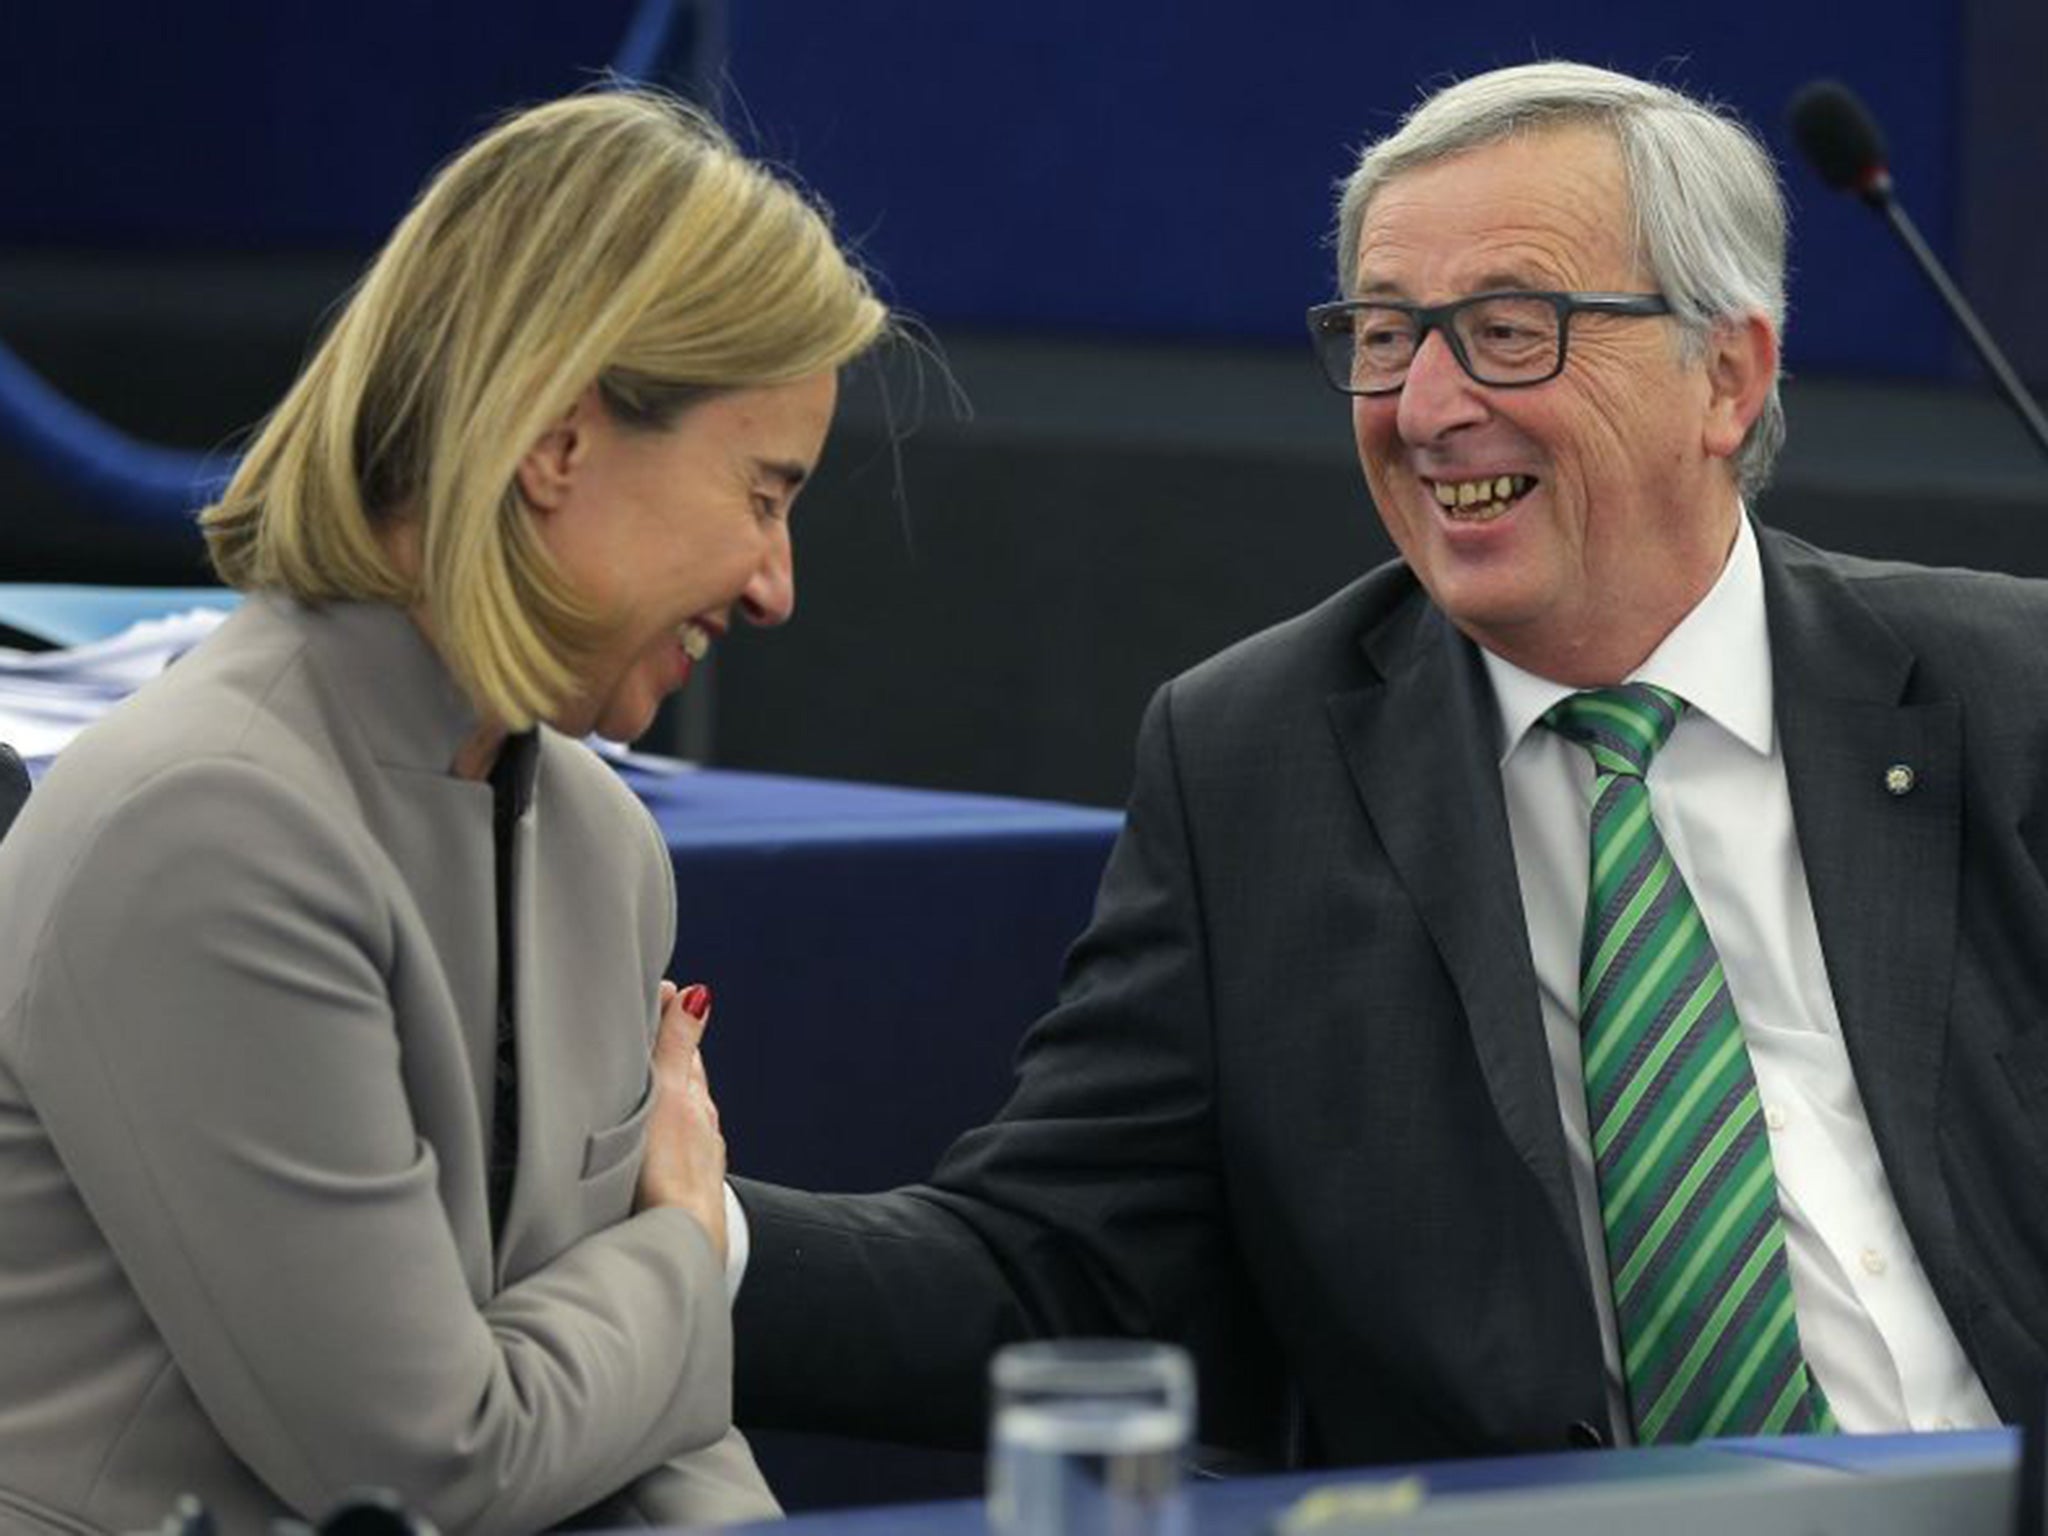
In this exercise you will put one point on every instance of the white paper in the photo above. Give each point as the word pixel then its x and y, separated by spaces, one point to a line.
pixel 48 697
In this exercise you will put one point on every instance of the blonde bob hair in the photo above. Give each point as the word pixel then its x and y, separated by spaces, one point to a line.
pixel 616 238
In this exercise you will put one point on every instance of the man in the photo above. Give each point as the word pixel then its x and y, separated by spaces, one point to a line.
pixel 1316 1096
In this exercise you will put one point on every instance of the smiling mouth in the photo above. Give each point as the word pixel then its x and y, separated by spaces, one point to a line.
pixel 1480 501
pixel 694 638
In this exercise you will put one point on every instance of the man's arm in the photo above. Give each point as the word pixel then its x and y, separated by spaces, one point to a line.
pixel 1092 1204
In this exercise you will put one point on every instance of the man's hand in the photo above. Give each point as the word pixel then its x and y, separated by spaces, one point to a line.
pixel 684 1164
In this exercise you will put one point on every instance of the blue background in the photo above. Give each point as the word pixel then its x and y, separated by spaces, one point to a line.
pixel 1096 167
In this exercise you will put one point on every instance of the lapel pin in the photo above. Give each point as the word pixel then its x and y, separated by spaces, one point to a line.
pixel 1899 779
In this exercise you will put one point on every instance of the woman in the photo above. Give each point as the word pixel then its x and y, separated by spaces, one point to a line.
pixel 332 961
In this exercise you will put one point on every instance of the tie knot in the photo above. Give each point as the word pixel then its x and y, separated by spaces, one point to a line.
pixel 1622 727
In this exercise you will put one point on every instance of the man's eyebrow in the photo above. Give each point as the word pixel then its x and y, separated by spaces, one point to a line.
pixel 1501 279
pixel 1504 277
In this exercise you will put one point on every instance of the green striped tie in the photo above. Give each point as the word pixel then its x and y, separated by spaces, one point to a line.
pixel 1695 1249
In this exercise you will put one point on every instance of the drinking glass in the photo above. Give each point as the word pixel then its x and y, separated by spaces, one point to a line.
pixel 1087 1438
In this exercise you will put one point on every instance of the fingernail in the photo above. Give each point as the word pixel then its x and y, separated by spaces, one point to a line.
pixel 696 1000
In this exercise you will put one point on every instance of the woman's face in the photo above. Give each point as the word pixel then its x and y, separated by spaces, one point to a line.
pixel 669 532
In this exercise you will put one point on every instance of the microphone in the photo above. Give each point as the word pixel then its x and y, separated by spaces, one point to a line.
pixel 1842 142
pixel 361 1512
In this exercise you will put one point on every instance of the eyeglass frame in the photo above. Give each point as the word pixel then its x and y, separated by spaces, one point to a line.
pixel 1437 317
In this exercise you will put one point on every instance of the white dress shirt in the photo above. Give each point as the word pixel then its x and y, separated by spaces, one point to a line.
pixel 1873 1334
pixel 739 1244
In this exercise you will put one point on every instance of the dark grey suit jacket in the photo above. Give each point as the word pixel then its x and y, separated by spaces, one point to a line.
pixel 1295 1103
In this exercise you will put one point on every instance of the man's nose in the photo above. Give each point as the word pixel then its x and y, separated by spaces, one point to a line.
pixel 1438 396
pixel 769 597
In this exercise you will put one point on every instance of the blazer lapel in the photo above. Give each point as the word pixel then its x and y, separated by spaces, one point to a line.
pixel 1419 746
pixel 583 970
pixel 543 1218
pixel 408 717
pixel 1876 786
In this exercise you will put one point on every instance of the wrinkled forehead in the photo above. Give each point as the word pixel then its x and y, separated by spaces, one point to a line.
pixel 1543 207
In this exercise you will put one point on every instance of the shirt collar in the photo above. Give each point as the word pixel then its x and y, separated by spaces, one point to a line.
pixel 1718 659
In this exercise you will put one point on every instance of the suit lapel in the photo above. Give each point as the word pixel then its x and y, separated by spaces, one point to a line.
pixel 1882 854
pixel 408 717
pixel 1419 746
pixel 583 972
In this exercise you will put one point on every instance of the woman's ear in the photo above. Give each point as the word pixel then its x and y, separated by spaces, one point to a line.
pixel 1742 364
pixel 549 470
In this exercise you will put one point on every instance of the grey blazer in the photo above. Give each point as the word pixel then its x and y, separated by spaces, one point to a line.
pixel 1295 1104
pixel 248 981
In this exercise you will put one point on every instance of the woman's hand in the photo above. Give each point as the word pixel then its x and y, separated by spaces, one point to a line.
pixel 684 1164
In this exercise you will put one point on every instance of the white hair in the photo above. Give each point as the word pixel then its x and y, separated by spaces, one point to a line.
pixel 1709 213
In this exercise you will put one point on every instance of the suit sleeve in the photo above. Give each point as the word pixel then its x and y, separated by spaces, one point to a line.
pixel 1093 1203
pixel 213 1051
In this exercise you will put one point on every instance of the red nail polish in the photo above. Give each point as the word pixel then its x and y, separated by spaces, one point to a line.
pixel 696 1000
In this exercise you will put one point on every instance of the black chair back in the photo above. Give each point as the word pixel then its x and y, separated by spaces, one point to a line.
pixel 13 786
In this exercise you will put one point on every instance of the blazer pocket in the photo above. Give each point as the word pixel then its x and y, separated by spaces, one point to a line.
pixel 606 1149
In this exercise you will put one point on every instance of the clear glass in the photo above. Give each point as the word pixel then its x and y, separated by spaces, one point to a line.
pixel 1087 1438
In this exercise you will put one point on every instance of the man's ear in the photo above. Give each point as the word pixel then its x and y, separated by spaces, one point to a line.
pixel 547 473
pixel 1742 364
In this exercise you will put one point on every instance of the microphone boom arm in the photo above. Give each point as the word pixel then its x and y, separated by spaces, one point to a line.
pixel 2001 371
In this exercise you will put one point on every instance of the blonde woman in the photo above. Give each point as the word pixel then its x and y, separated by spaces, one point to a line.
pixel 330 1150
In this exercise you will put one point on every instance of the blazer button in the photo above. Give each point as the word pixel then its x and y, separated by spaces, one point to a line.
pixel 1583 1436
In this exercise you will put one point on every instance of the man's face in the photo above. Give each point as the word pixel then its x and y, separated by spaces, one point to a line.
pixel 1630 507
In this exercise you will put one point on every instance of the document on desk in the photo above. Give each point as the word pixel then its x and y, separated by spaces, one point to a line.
pixel 48 697
pixel 1700 1492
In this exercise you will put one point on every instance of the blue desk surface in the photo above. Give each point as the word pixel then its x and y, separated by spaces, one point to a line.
pixel 1247 1506
pixel 761 814
pixel 874 955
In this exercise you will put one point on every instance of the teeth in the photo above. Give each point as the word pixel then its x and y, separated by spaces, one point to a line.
pixel 696 640
pixel 1479 493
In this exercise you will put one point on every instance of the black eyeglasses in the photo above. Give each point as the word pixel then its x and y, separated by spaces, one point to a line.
pixel 1506 340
